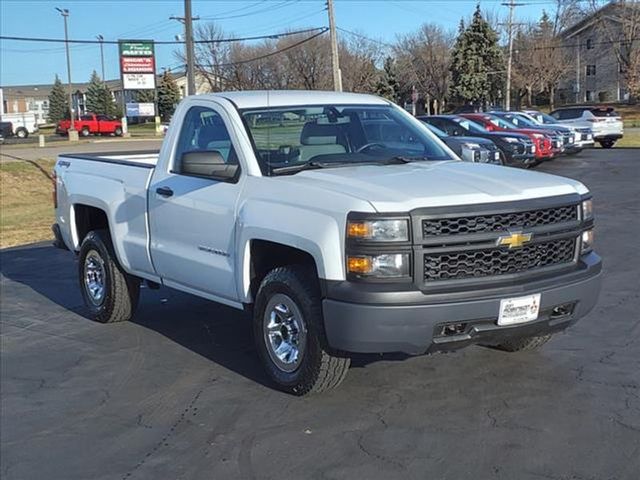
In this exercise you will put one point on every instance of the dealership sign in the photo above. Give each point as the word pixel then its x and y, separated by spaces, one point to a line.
pixel 137 64
pixel 141 110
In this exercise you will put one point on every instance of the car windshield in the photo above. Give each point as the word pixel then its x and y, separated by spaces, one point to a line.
pixel 521 120
pixel 436 130
pixel 544 118
pixel 336 135
pixel 471 126
pixel 503 122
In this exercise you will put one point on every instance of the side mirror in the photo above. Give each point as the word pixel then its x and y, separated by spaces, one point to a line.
pixel 207 163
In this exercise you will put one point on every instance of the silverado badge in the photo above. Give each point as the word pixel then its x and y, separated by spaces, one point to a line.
pixel 514 239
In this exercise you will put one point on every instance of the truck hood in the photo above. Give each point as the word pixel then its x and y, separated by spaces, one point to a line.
pixel 401 188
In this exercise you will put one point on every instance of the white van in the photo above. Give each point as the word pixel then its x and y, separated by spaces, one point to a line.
pixel 24 124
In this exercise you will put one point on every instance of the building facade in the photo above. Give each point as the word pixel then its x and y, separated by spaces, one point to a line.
pixel 599 76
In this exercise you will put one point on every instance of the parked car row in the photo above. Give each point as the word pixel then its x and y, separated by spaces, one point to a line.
pixel 527 138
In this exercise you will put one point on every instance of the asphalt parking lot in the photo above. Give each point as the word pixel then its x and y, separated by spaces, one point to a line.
pixel 179 392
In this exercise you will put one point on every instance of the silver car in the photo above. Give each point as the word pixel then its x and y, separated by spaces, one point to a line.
pixel 605 122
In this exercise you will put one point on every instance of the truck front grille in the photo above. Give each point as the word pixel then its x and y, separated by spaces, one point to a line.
pixel 498 222
pixel 497 261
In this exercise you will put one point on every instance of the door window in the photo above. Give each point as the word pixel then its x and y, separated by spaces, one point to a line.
pixel 203 130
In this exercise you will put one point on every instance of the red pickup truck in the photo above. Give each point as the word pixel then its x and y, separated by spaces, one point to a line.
pixel 92 124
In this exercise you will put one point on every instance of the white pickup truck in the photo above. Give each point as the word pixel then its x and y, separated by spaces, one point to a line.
pixel 340 222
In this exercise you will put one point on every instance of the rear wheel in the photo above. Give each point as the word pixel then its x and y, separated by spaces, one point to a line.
pixel 523 344
pixel 108 291
pixel 289 333
pixel 607 143
pixel 22 132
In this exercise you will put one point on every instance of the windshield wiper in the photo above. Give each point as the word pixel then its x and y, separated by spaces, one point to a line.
pixel 400 159
pixel 312 165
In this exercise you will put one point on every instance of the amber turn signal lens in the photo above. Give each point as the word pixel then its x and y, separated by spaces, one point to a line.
pixel 359 265
pixel 359 229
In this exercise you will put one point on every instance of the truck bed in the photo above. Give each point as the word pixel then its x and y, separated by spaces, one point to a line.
pixel 140 158
pixel 115 183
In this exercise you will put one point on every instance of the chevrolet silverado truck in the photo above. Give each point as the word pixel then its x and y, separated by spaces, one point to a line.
pixel 334 235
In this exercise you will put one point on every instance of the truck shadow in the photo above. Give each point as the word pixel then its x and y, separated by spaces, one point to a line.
pixel 221 334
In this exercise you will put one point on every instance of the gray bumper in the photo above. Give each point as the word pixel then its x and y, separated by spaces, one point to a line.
pixel 419 328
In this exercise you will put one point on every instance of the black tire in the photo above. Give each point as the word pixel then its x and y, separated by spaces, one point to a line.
pixel 607 143
pixel 22 132
pixel 523 344
pixel 118 132
pixel 85 132
pixel 319 368
pixel 121 291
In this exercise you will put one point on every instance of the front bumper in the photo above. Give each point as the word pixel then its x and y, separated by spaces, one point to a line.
pixel 414 323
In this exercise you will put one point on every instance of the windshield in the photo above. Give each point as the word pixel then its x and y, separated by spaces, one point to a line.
pixel 436 130
pixel 521 120
pixel 471 126
pixel 503 122
pixel 336 135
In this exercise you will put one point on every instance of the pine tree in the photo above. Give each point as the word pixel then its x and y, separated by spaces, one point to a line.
pixel 168 95
pixel 145 96
pixel 58 105
pixel 99 98
pixel 388 85
pixel 476 62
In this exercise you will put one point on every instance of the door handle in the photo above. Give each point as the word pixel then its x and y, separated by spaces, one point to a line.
pixel 164 191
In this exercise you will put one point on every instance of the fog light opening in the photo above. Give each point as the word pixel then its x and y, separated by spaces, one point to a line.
pixel 453 329
pixel 563 310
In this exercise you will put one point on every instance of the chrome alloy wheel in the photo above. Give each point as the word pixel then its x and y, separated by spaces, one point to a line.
pixel 285 332
pixel 94 277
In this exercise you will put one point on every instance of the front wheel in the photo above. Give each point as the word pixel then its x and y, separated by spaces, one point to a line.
pixel 107 290
pixel 118 132
pixel 607 143
pixel 22 132
pixel 289 333
pixel 85 132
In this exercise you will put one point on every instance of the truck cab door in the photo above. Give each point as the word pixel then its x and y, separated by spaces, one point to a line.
pixel 192 207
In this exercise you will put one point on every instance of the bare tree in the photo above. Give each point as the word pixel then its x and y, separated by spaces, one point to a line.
pixel 423 60
pixel 358 59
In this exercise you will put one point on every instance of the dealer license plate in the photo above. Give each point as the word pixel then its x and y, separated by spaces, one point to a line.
pixel 519 310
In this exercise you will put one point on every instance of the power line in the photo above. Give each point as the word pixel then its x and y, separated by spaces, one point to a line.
pixel 164 42
pixel 270 8
pixel 364 37
pixel 270 54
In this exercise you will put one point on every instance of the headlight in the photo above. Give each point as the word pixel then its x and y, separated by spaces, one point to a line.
pixel 538 135
pixel 378 230
pixel 471 146
pixel 587 209
pixel 586 243
pixel 387 265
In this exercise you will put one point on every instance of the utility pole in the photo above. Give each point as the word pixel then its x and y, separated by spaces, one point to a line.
pixel 512 5
pixel 187 20
pixel 73 134
pixel 101 40
pixel 335 63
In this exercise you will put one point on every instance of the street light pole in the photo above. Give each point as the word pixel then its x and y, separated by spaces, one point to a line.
pixel 101 40
pixel 73 134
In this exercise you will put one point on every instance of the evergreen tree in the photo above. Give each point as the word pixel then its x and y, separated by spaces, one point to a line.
pixel 99 98
pixel 145 96
pixel 168 95
pixel 58 104
pixel 388 85
pixel 476 61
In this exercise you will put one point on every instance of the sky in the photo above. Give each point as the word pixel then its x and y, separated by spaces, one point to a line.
pixel 25 63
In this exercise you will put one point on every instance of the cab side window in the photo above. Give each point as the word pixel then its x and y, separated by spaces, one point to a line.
pixel 204 146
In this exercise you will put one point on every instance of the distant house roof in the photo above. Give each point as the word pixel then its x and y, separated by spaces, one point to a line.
pixel 609 11
pixel 43 90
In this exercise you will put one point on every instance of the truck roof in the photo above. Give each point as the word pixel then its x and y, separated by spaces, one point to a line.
pixel 286 98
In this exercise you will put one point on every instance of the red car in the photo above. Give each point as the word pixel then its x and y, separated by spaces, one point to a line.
pixel 92 124
pixel 545 149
